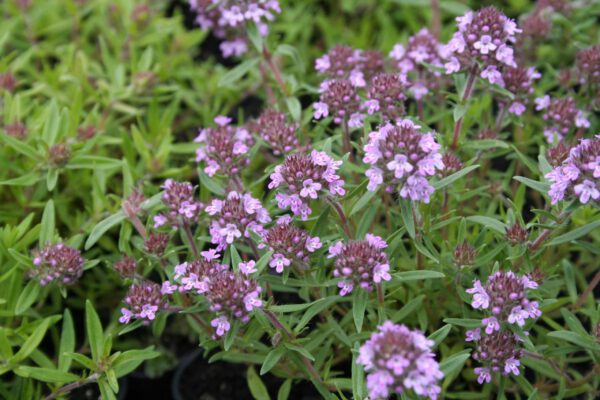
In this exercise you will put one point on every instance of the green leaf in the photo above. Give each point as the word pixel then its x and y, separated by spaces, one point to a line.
pixel 235 74
pixel 418 275
pixel 439 335
pixel 94 162
pixel 67 341
pixel 364 200
pixel 256 385
pixel 23 180
pixel 573 322
pixel 284 390
pixel 484 144
pixel 20 146
pixel 464 322
pixel 294 107
pixel 101 227
pixel 235 258
pixel 314 310
pixel 261 264
pixel 490 223
pixel 287 308
pixel 47 229
pixel 408 308
pixel 574 234
pixel 299 349
pixel 542 187
pixel 51 124
pixel 358 375
pixel 32 342
pixel 211 184
pixel 27 297
pixel 272 359
pixel 51 179
pixel 359 305
pixel 582 341
pixel 95 334
pixel 454 363
pixel 128 361
pixel 407 217
pixel 45 374
pixel 454 177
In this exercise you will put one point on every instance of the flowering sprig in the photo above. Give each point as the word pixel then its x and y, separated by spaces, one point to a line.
pixel 59 262
pixel 224 148
pixel 360 263
pixel 235 217
pixel 273 128
pixel 143 301
pixel 561 115
pixel 402 157
pixel 505 297
pixel 182 207
pixel 304 177
pixel 519 81
pixel 579 173
pixel 397 360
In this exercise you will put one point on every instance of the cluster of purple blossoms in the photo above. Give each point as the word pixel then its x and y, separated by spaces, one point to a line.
pixel 224 148
pixel 422 48
pixel 588 65
pixel 343 63
pixel 126 267
pixel 400 155
pixel 398 359
pixel 273 128
pixel 579 173
pixel 484 37
pixel 232 295
pixel 59 263
pixel 385 96
pixel 340 99
pixel 302 177
pixel 193 277
pixel 234 217
pixel 561 115
pixel 289 244
pixel 519 81
pixel 360 263
pixel 144 299
pixel 182 207
pixel 505 297
pixel 228 19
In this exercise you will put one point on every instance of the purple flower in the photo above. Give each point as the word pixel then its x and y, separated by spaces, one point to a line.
pixel 386 95
pixel 59 262
pixel 360 263
pixel 303 177
pixel 247 268
pixel 397 359
pixel 401 155
pixel 561 115
pixel 182 208
pixel 497 352
pixel 235 217
pixel 273 128
pixel 143 300
pixel 339 99
pixel 221 324
pixel 224 148
pixel 588 65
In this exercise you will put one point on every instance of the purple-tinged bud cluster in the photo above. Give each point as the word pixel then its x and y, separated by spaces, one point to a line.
pixel 143 300
pixel 505 297
pixel 289 244
pixel 232 296
pixel 59 263
pixel 224 148
pixel 483 38
pixel 228 20
pixel 396 360
pixel 588 64
pixel 303 177
pixel 193 277
pixel 422 48
pixel 579 173
pixel 182 207
pixel 8 82
pixel 274 129
pixel 464 254
pixel 386 96
pixel 561 115
pixel 497 352
pixel 360 263
pixel 340 99
pixel 401 156
pixel 126 267
pixel 558 154
pixel 519 81
pixel 16 129
pixel 156 243
pixel 517 234
pixel 235 217
pixel 342 63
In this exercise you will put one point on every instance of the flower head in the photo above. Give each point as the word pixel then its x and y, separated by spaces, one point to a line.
pixel 519 81
pixel 143 300
pixel 562 116
pixel 235 217
pixel 273 128
pixel 339 99
pixel 126 267
pixel 397 359
pixel 360 263
pixel 182 207
pixel 304 177
pixel 386 96
pixel 59 262
pixel 497 352
pixel 401 156
pixel 588 65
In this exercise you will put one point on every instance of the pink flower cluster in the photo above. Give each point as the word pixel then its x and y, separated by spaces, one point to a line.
pixel 401 156
pixel 483 40
pixel 397 360
pixel 59 262
pixel 579 173
pixel 497 352
pixel 273 128
pixel 193 277
pixel 182 207
pixel 289 244
pixel 303 177
pixel 422 48
pixel 519 81
pixel 360 263
pixel 235 217
pixel 562 116
pixel 505 297
pixel 228 19
pixel 224 148
pixel 588 65
pixel 144 299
